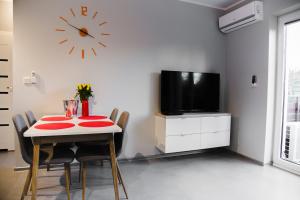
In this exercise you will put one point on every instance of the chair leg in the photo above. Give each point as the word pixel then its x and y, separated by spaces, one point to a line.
pixel 83 171
pixel 70 177
pixel 35 168
pixel 67 175
pixel 114 167
pixel 48 167
pixel 80 171
pixel 27 183
pixel 121 180
pixel 101 163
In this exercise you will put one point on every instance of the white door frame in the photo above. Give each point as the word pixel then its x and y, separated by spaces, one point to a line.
pixel 279 109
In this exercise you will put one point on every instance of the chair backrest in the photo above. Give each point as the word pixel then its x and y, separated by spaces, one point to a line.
pixel 30 118
pixel 25 143
pixel 118 137
pixel 114 114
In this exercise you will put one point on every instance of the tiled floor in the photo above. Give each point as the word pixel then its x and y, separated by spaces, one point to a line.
pixel 207 176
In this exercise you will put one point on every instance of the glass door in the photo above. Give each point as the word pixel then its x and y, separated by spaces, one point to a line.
pixel 287 123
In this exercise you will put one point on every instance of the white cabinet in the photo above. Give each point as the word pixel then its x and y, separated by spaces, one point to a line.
pixel 192 132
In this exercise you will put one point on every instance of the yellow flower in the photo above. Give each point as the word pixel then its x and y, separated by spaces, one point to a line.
pixel 88 87
pixel 80 87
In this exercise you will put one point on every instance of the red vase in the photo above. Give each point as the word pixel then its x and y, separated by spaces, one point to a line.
pixel 85 108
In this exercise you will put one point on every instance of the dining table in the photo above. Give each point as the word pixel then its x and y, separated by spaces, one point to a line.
pixel 59 129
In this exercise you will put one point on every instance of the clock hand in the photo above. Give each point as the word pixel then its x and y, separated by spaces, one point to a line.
pixel 82 31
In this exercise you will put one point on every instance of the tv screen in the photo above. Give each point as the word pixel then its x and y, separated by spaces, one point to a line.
pixel 187 92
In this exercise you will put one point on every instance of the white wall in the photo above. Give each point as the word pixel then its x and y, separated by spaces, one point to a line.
pixel 252 51
pixel 6 15
pixel 147 36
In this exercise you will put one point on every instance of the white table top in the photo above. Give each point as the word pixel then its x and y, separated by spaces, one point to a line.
pixel 76 130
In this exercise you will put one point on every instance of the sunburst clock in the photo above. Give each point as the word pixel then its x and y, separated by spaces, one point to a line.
pixel 85 30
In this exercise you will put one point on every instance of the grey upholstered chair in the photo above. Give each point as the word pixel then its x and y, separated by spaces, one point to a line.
pixel 31 121
pixel 30 118
pixel 113 117
pixel 101 152
pixel 60 156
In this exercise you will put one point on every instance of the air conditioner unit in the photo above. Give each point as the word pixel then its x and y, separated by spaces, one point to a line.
pixel 291 142
pixel 243 16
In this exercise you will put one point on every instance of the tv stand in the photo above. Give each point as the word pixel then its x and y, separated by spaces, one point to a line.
pixel 187 132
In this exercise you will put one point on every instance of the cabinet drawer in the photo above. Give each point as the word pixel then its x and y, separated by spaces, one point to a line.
pixel 5 100
pixel 182 143
pixel 6 134
pixel 213 124
pixel 5 51
pixel 183 126
pixel 4 82
pixel 174 126
pixel 191 126
pixel 5 117
pixel 4 67
pixel 216 139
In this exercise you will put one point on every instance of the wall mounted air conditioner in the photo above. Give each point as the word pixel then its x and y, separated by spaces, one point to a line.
pixel 243 16
pixel 291 142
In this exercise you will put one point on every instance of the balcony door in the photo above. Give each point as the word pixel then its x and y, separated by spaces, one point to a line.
pixel 287 122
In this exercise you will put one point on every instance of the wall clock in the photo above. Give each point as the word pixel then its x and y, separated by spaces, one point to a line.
pixel 84 31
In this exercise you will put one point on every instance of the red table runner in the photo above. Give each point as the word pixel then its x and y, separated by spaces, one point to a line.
pixel 93 117
pixel 54 126
pixel 58 118
pixel 95 124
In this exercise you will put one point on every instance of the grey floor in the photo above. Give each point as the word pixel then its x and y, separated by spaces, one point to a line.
pixel 208 176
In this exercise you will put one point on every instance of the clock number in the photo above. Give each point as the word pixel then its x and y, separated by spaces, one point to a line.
pixel 95 14
pixel 82 54
pixel 94 51
pixel 102 23
pixel 84 10
pixel 71 50
pixel 63 41
pixel 72 11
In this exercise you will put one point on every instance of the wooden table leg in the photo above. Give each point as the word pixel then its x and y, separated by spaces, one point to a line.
pixel 35 168
pixel 121 180
pixel 67 177
pixel 114 167
pixel 83 179
pixel 27 183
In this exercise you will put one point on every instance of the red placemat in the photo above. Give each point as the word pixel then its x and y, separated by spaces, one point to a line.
pixel 58 118
pixel 54 126
pixel 93 117
pixel 95 124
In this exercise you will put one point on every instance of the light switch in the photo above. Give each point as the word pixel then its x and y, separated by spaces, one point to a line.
pixel 27 80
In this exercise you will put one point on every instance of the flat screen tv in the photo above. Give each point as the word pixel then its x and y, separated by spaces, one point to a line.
pixel 189 92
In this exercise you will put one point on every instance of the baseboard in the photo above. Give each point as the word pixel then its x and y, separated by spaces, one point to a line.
pixel 248 158
pixel 286 169
pixel 161 156
pixel 43 167
pixel 141 158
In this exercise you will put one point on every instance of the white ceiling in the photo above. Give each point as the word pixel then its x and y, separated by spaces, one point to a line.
pixel 219 4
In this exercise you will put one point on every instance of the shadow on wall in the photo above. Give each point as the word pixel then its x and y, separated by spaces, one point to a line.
pixel 235 123
pixel 144 126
